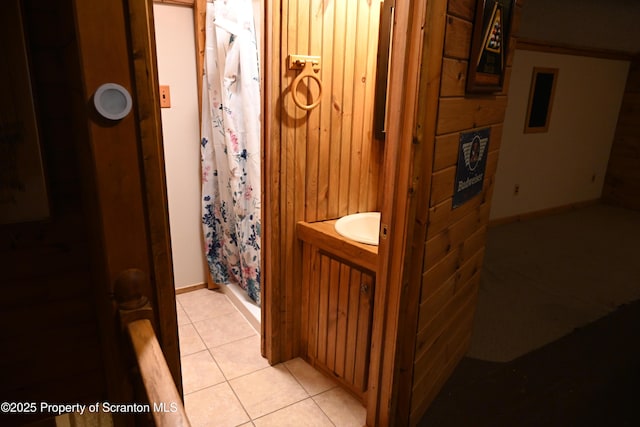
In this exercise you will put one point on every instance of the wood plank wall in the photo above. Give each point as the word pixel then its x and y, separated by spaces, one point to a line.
pixel 320 164
pixel 622 181
pixel 454 246
pixel 50 332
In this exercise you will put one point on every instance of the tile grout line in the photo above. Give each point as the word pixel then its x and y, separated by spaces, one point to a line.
pixel 227 380
pixel 184 310
pixel 207 349
pixel 295 403
pixel 239 401
pixel 310 395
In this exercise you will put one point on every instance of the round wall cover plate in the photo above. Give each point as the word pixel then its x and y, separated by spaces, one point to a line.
pixel 112 101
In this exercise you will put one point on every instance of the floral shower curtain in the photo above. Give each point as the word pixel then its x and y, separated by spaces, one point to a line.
pixel 230 150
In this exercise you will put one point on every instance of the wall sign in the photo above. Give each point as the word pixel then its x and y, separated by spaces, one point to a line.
pixel 472 160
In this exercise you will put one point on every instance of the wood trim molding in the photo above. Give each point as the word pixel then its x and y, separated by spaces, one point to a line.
pixel 426 123
pixel 324 236
pixel 565 49
pixel 271 218
pixel 539 102
pixel 190 288
pixel 199 24
pixel 152 168
pixel 388 318
pixel 188 3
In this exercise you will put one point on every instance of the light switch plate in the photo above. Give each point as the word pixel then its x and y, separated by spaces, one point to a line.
pixel 165 97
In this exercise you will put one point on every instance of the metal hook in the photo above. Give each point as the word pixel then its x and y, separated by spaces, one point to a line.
pixel 309 66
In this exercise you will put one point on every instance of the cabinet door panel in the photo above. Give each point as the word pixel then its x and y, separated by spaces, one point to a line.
pixel 339 320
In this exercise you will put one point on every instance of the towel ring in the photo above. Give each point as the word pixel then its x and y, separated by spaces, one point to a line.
pixel 307 71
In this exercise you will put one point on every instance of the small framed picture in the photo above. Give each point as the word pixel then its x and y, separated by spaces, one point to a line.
pixel 489 45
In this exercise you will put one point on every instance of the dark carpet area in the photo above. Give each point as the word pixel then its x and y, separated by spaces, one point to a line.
pixel 590 377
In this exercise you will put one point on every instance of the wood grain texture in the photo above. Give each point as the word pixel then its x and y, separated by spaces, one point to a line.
pixel 145 75
pixel 324 236
pixel 449 349
pixel 453 241
pixel 321 164
pixel 458 38
pixel 113 172
pixel 156 376
pixel 338 325
pixel 177 2
pixel 271 342
pixel 456 114
pixel 57 284
pixel 199 26
pixel 462 8
pixel 454 77
pixel 433 21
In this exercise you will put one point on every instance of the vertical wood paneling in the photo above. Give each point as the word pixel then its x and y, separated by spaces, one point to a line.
pixel 288 163
pixel 332 313
pixel 364 332
pixel 326 29
pixel 306 313
pixel 323 307
pixel 346 105
pixel 343 310
pixel 321 163
pixel 352 326
pixel 313 121
pixel 339 322
pixel 333 142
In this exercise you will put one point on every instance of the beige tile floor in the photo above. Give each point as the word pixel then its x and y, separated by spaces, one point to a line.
pixel 228 383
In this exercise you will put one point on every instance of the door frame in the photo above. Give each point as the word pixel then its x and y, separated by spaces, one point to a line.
pixel 397 202
pixel 402 177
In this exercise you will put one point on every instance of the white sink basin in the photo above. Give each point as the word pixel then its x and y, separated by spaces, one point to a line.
pixel 362 227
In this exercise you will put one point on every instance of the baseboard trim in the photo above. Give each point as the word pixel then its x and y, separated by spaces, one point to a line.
pixel 190 288
pixel 543 212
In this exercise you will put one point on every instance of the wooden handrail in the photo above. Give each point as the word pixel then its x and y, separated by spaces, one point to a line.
pixel 135 317
pixel 166 403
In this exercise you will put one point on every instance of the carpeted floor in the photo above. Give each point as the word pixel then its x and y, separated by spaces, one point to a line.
pixel 556 338
pixel 589 378
pixel 544 277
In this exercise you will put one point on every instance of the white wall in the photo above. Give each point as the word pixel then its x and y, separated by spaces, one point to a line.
pixel 180 127
pixel 556 168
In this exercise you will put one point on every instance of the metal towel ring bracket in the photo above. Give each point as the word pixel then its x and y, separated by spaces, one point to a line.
pixel 309 65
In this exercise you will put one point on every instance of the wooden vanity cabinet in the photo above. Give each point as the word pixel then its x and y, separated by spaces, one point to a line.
pixel 337 316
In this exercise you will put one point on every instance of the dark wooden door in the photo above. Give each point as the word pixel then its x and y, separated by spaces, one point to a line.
pixel 125 163
pixel 107 205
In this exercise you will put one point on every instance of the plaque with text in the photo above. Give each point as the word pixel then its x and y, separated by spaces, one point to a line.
pixel 472 161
